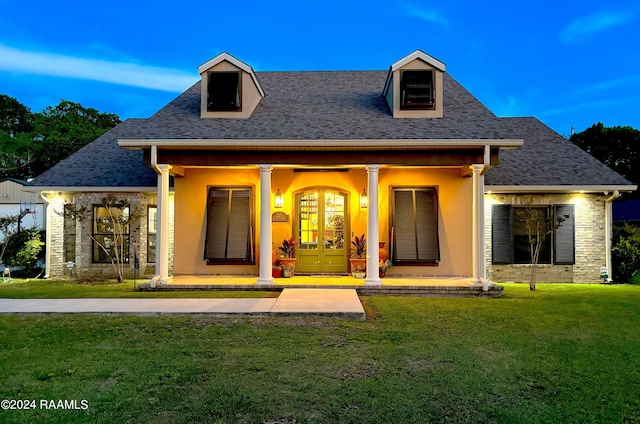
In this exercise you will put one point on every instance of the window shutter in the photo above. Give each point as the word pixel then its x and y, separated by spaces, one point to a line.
pixel 427 225
pixel 228 236
pixel 217 213
pixel 565 235
pixel 239 217
pixel 416 226
pixel 501 234
pixel 405 238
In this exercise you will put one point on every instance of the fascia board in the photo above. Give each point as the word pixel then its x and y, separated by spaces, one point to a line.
pixel 516 189
pixel 419 54
pixel 380 144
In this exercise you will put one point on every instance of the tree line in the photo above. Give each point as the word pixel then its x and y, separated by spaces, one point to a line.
pixel 32 142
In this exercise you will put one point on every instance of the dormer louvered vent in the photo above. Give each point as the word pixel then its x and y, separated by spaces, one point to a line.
pixel 230 88
pixel 414 87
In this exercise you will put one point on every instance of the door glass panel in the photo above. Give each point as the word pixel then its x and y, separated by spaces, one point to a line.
pixel 308 222
pixel 334 214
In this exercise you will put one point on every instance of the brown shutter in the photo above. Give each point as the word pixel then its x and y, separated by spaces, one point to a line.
pixel 415 222
pixel 228 235
pixel 564 236
pixel 501 234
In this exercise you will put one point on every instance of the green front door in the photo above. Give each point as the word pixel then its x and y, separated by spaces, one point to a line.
pixel 320 228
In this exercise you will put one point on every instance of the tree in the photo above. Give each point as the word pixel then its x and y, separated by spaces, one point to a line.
pixel 24 250
pixel 625 253
pixel 8 228
pixel 616 147
pixel 31 143
pixel 538 226
pixel 115 220
pixel 16 122
pixel 15 117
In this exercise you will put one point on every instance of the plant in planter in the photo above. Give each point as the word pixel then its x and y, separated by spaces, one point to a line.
pixel 288 261
pixel 358 256
pixel 383 266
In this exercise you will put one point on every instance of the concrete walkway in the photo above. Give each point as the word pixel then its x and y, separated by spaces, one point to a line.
pixel 332 302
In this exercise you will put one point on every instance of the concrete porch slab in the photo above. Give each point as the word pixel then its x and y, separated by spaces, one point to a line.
pixel 319 301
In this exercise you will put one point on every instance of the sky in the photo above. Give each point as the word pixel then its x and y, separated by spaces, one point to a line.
pixel 569 63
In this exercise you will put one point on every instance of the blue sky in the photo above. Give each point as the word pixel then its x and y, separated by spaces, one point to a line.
pixel 569 63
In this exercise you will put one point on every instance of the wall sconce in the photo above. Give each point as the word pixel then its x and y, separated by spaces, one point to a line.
pixel 279 201
pixel 364 199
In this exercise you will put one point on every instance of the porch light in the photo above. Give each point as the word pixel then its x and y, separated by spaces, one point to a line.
pixel 279 201
pixel 364 200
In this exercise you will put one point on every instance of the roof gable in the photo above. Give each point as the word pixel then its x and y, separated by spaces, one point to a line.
pixel 226 57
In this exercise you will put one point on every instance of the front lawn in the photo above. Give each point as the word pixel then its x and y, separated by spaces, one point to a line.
pixel 67 289
pixel 562 354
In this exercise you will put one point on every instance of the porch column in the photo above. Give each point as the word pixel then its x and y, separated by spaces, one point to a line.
pixel 264 276
pixel 373 236
pixel 479 255
pixel 162 232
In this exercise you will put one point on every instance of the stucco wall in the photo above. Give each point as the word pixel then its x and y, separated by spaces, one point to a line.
pixel 590 253
pixel 455 211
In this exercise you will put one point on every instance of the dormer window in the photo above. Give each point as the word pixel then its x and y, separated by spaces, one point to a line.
pixel 224 92
pixel 416 90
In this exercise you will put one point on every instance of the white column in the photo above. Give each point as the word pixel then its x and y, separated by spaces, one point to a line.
pixel 264 276
pixel 479 264
pixel 162 231
pixel 373 236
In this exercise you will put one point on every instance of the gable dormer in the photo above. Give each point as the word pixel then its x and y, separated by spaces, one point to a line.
pixel 229 88
pixel 414 87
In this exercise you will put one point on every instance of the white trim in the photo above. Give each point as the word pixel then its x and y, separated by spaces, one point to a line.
pixel 489 189
pixel 386 144
pixel 235 62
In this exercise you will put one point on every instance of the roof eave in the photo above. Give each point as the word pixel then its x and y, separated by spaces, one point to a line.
pixel 333 144
pixel 517 189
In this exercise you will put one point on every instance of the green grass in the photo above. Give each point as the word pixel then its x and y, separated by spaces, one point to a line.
pixel 562 354
pixel 61 289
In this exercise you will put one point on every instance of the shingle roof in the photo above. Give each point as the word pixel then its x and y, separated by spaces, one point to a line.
pixel 102 163
pixel 325 105
pixel 547 159
pixel 333 105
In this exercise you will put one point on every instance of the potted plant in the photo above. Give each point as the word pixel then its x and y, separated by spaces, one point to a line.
pixel 358 257
pixel 288 260
pixel 383 266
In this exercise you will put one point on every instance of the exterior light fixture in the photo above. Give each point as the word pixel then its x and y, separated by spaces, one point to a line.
pixel 364 199
pixel 279 201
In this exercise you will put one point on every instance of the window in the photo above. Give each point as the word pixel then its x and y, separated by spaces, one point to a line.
pixel 416 89
pixel 415 226
pixel 229 237
pixel 224 91
pixel 69 233
pixel 152 222
pixel 510 242
pixel 110 231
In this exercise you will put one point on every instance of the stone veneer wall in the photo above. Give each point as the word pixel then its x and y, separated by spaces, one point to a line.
pixel 590 253
pixel 84 267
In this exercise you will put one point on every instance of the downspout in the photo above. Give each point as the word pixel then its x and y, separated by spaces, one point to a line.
pixel 608 230
pixel 47 235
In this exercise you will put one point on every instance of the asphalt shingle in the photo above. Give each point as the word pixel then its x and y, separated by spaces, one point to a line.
pixel 340 105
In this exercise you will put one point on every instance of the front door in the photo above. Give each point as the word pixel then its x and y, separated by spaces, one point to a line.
pixel 321 224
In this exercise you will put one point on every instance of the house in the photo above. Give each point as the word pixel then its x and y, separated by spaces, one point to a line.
pixel 407 156
pixel 15 201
